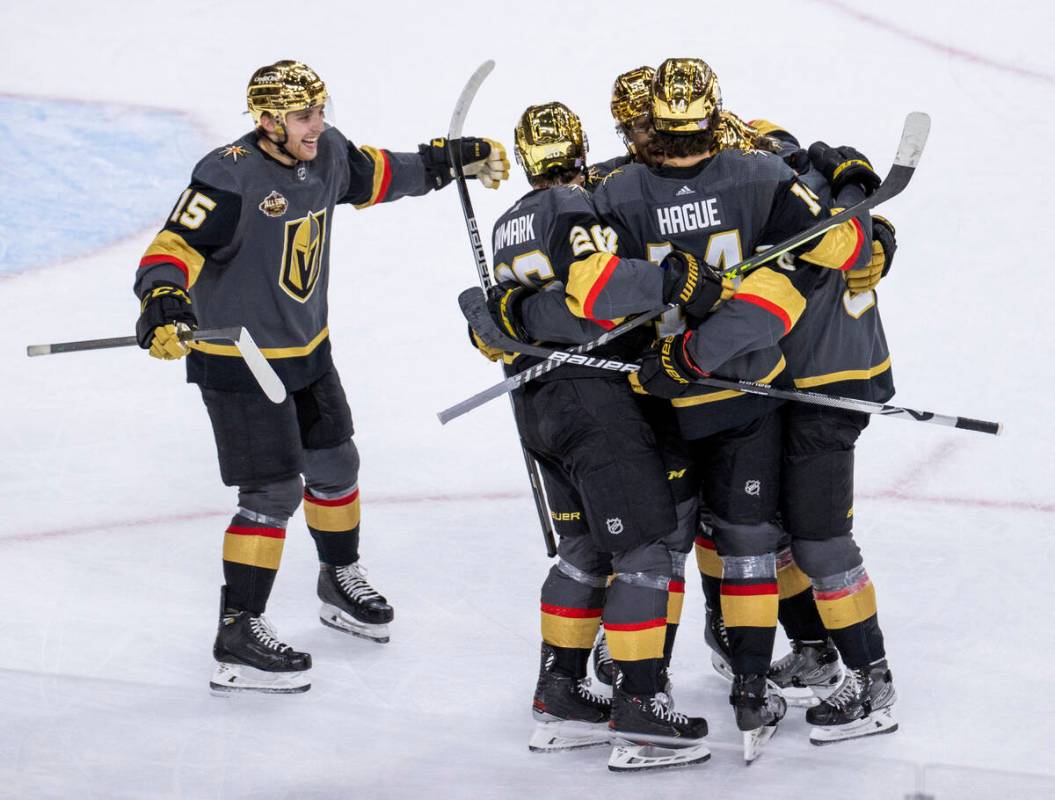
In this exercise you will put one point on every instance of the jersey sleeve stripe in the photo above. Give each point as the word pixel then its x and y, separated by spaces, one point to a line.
pixel 769 306
pixel 149 261
pixel 587 278
pixel 170 247
pixel 839 248
pixel 382 175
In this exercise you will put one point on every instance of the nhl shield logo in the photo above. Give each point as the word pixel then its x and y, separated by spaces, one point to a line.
pixel 302 255
pixel 753 488
pixel 274 205
pixel 615 526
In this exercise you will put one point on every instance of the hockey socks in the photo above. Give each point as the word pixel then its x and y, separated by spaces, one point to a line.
pixel 847 606
pixel 798 610
pixel 333 519
pixel 749 608
pixel 252 552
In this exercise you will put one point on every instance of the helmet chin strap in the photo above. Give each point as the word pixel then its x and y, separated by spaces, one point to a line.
pixel 281 143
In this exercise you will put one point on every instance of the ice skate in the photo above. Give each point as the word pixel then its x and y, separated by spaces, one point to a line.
pixel 808 674
pixel 648 734
pixel 352 605
pixel 863 705
pixel 759 707
pixel 568 716
pixel 718 640
pixel 602 659
pixel 250 658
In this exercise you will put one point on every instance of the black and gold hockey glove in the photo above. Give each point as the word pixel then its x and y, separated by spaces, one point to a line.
pixel 843 165
pixel 483 159
pixel 693 284
pixel 164 311
pixel 667 369
pixel 504 304
pixel 884 246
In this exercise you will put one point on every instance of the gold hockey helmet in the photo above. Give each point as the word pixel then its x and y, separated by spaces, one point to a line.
pixel 685 96
pixel 632 95
pixel 549 135
pixel 284 86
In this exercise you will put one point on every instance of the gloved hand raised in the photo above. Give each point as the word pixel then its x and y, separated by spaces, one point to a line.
pixel 483 159
pixel 843 165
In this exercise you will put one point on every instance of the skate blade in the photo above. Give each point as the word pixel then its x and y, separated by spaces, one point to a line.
pixel 721 666
pixel 333 617
pixel 755 741
pixel 233 678
pixel 878 722
pixel 800 696
pixel 557 736
pixel 638 758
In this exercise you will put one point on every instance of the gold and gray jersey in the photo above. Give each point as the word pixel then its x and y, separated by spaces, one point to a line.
pixel 723 209
pixel 536 243
pixel 838 345
pixel 250 238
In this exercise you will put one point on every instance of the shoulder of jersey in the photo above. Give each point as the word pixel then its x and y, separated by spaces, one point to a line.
pixel 620 175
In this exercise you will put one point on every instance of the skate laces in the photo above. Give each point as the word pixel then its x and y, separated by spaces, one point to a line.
pixel 352 579
pixel 586 693
pixel 661 708
pixel 266 635
pixel 847 692
pixel 603 656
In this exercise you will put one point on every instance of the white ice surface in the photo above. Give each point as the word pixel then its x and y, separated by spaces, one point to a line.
pixel 113 511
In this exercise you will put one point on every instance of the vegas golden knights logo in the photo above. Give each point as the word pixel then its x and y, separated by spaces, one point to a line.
pixel 302 255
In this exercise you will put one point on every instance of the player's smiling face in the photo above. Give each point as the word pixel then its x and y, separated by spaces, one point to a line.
pixel 303 129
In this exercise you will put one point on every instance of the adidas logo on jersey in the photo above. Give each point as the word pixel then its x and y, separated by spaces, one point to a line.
pixel 684 190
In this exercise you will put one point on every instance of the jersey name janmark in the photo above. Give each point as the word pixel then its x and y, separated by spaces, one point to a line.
pixel 517 231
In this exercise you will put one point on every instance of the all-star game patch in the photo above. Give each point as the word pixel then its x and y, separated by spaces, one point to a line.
pixel 274 205
pixel 87 193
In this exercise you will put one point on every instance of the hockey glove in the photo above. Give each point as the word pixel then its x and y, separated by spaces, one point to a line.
pixel 843 165
pixel 164 312
pixel 504 304
pixel 693 284
pixel 667 370
pixel 483 159
pixel 884 245
pixel 490 353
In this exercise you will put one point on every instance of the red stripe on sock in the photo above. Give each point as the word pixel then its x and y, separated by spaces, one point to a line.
pixel 274 533
pixel 576 613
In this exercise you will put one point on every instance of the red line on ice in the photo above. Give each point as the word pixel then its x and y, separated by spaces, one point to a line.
pixel 162 519
pixel 941 47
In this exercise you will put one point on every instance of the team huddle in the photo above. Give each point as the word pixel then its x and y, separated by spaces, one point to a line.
pixel 639 472
pixel 640 469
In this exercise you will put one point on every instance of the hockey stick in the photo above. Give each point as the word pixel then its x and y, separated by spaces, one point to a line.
pixel 454 135
pixel 910 148
pixel 262 371
pixel 475 310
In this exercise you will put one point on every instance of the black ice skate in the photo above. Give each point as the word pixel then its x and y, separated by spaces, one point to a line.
pixel 718 640
pixel 759 707
pixel 568 715
pixel 352 605
pixel 648 734
pixel 602 659
pixel 861 706
pixel 250 657
pixel 809 673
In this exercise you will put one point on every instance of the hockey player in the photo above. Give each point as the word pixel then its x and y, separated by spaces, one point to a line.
pixel 247 244
pixel 721 204
pixel 604 476
pixel 835 339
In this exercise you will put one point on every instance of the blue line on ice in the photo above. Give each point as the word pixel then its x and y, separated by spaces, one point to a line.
pixel 84 175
